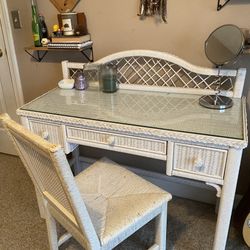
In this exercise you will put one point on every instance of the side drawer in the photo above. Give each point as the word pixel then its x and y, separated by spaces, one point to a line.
pixel 122 143
pixel 48 131
pixel 200 163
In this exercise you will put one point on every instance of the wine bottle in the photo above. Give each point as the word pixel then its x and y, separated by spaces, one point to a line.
pixel 35 25
pixel 43 27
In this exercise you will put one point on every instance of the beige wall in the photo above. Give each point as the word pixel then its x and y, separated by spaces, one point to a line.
pixel 114 26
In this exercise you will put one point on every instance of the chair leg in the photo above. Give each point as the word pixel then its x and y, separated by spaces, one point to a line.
pixel 41 204
pixel 52 233
pixel 161 228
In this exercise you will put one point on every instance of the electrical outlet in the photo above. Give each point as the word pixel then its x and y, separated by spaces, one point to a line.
pixel 16 19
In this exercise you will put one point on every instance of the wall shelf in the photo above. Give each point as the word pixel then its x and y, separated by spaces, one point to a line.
pixel 221 5
pixel 38 53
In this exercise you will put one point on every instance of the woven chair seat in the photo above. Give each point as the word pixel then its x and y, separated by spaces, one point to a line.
pixel 116 198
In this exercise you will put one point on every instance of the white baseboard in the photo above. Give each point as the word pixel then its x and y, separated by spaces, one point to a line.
pixel 6 145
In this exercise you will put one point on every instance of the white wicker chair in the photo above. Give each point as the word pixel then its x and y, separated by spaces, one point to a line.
pixel 100 207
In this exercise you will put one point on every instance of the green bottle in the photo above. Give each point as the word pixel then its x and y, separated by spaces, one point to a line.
pixel 35 25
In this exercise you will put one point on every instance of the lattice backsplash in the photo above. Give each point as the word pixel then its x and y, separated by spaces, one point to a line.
pixel 149 71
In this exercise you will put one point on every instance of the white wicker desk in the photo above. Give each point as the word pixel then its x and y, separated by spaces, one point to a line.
pixel 196 143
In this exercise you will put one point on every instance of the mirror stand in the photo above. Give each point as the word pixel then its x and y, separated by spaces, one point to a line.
pixel 216 101
pixel 223 45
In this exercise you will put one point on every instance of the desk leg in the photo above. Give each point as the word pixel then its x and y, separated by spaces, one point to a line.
pixel 76 166
pixel 227 199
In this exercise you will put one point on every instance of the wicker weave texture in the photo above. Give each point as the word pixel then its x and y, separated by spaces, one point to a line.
pixel 200 161
pixel 116 199
pixel 128 142
pixel 51 174
pixel 149 71
pixel 100 207
pixel 51 132
pixel 43 170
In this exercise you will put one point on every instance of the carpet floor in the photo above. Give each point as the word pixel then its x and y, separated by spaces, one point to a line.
pixel 191 224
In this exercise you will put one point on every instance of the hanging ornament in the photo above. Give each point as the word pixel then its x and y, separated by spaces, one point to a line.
pixel 65 5
pixel 153 8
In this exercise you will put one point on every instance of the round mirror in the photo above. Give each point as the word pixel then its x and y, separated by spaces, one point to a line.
pixel 224 44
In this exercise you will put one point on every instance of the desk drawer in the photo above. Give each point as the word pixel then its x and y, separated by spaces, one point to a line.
pixel 48 131
pixel 121 143
pixel 199 163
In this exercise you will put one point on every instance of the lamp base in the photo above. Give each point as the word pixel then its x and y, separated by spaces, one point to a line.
pixel 216 102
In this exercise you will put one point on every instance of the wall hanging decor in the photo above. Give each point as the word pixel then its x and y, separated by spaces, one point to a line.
pixel 153 8
pixel 65 5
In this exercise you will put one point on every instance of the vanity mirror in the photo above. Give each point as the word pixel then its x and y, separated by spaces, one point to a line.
pixel 223 45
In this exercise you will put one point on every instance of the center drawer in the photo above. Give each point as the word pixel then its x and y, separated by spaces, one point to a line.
pixel 122 143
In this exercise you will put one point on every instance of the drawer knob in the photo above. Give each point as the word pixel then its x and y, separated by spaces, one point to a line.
pixel 198 163
pixel 45 135
pixel 111 140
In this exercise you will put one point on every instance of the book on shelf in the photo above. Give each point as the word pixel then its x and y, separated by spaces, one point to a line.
pixel 71 39
pixel 70 45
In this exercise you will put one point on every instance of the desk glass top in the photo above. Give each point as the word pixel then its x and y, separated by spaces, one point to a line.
pixel 167 111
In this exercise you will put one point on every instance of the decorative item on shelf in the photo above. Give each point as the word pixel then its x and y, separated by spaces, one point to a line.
pixel 43 27
pixel 45 42
pixel 108 78
pixel 68 23
pixel 153 8
pixel 56 31
pixel 35 25
pixel 73 23
pixel 223 45
pixel 81 28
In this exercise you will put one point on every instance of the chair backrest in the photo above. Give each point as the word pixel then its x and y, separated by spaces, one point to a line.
pixel 50 172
